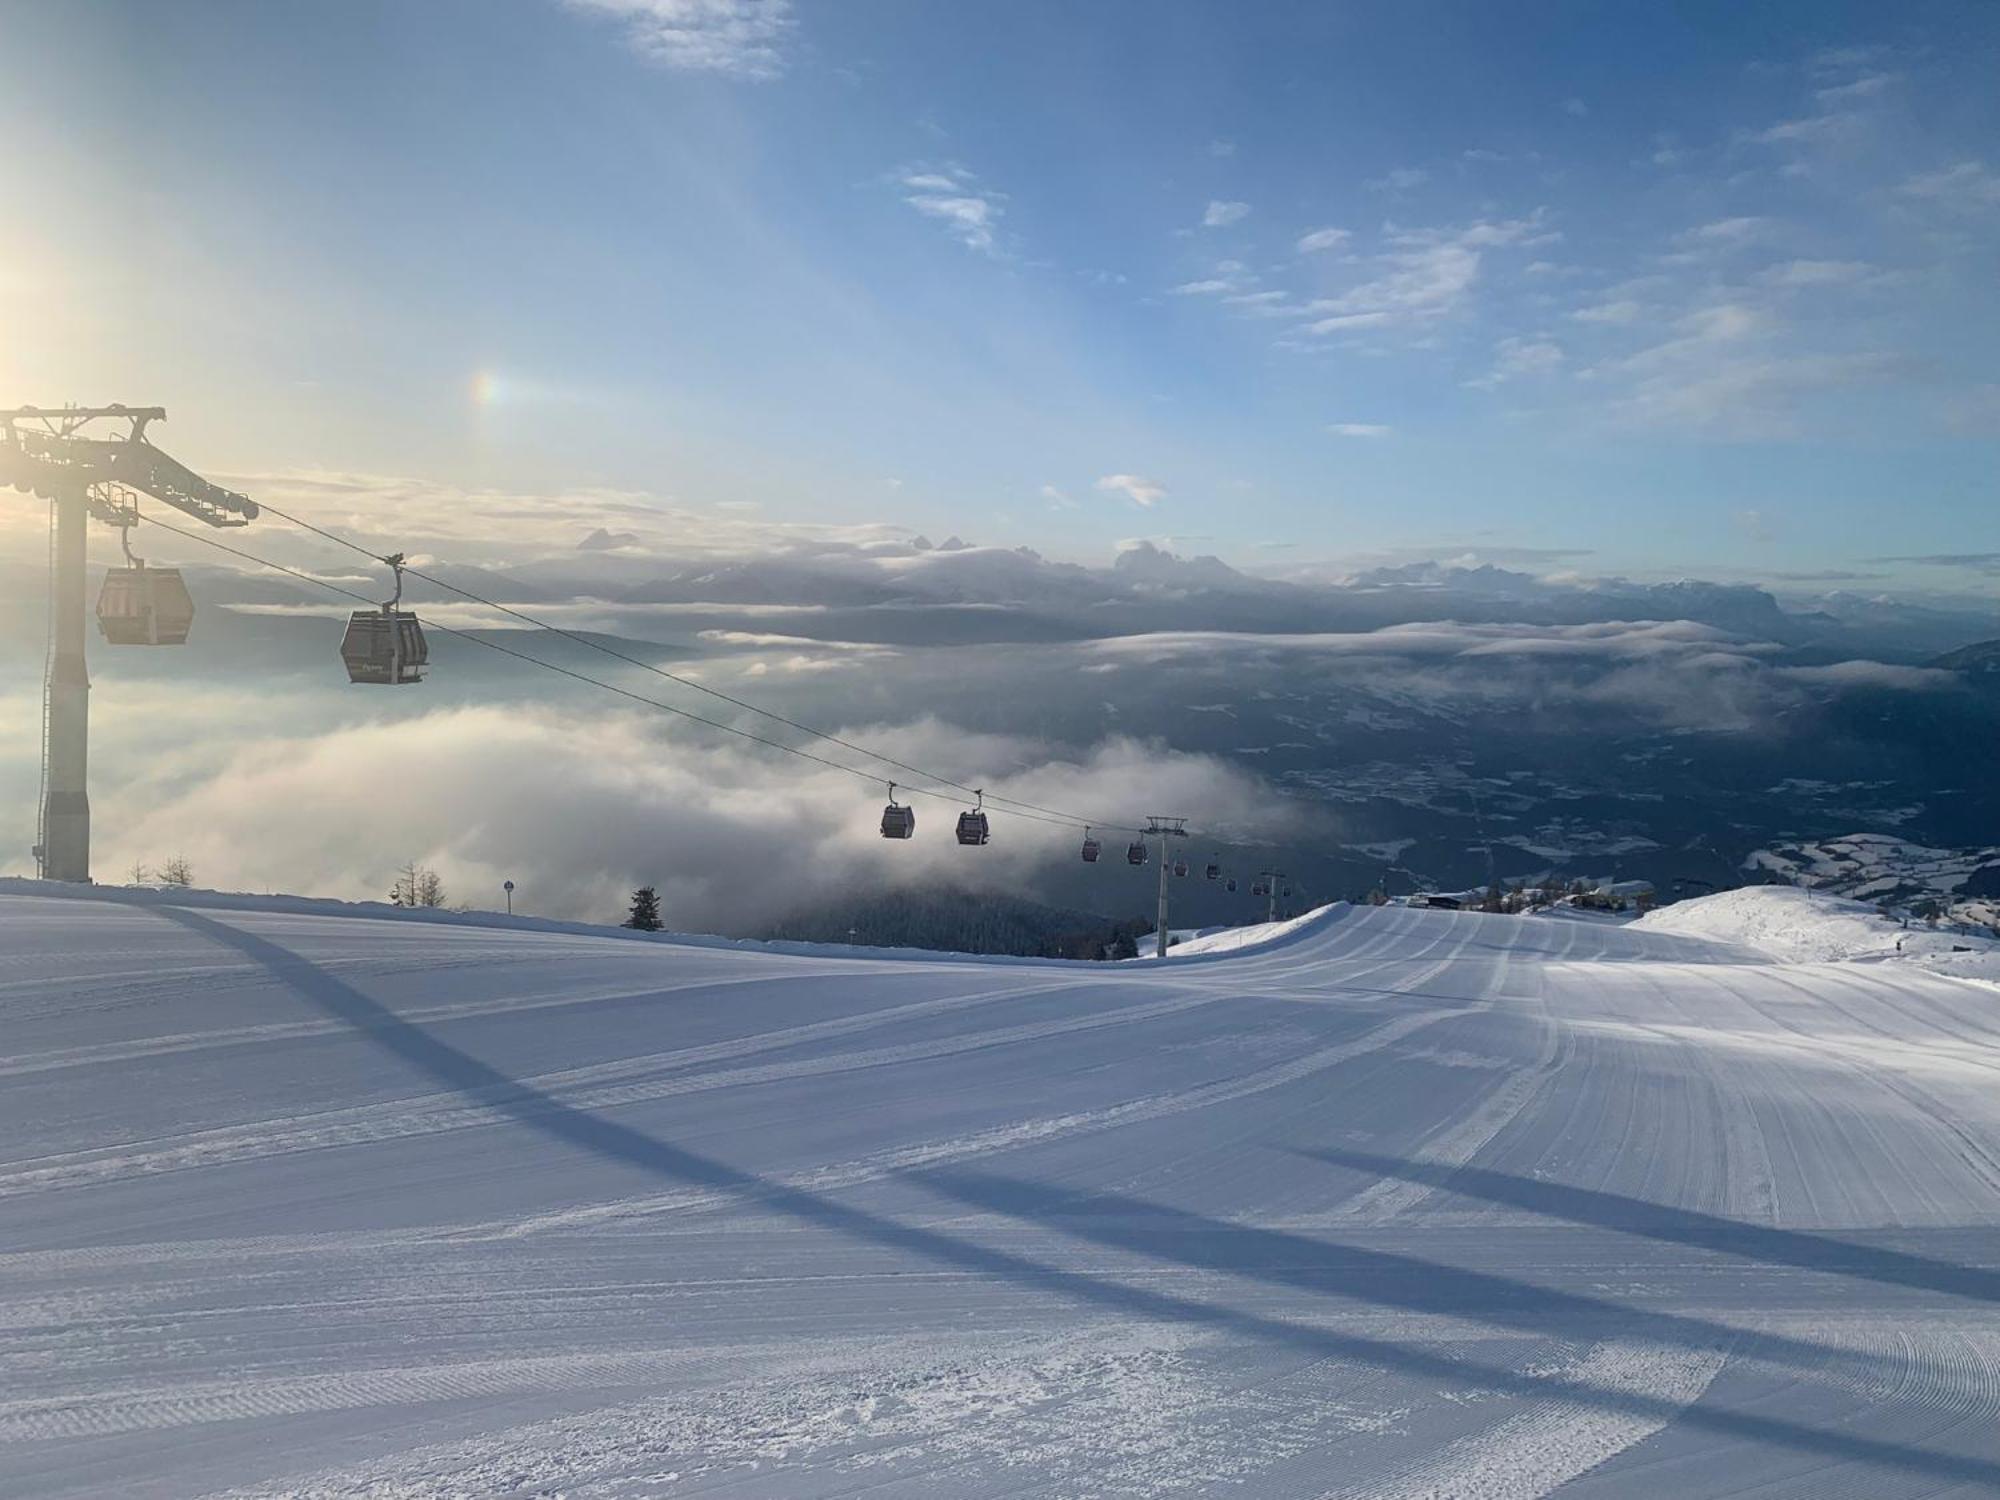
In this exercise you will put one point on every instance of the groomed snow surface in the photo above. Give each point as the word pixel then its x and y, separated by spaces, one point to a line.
pixel 1399 1203
pixel 1798 926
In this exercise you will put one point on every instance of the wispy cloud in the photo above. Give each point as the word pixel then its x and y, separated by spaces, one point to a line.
pixel 1322 239
pixel 737 38
pixel 953 196
pixel 1398 180
pixel 1737 231
pixel 1751 394
pixel 1264 304
pixel 1797 274
pixel 1835 60
pixel 1868 86
pixel 1850 85
pixel 1348 322
pixel 1416 281
pixel 1360 429
pixel 1976 562
pixel 1220 214
pixel 1424 274
pixel 1618 310
pixel 1521 358
pixel 1139 490
pixel 1807 129
pixel 1236 285
pixel 1966 184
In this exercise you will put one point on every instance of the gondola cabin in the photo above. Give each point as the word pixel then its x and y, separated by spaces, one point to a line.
pixel 385 647
pixel 898 821
pixel 1136 853
pixel 972 828
pixel 1091 849
pixel 142 606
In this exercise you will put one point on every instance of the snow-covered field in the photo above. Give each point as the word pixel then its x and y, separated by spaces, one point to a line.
pixel 1806 927
pixel 1873 867
pixel 1402 1203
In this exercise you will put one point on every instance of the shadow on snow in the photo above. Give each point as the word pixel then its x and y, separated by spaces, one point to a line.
pixel 1487 1298
pixel 1681 1226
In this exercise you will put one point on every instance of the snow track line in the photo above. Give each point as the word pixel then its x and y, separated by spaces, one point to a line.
pixel 1014 1134
pixel 804 1278
pixel 600 1086
pixel 277 1031
pixel 152 1409
pixel 1973 1151
pixel 981 1142
pixel 1535 1452
pixel 1453 1143
pixel 594 1088
pixel 1744 1184
pixel 1457 1142
pixel 1864 1061
pixel 1124 1408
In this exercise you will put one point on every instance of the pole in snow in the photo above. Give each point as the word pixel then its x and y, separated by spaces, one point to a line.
pixel 66 799
pixel 508 887
pixel 1164 829
pixel 43 451
pixel 1271 879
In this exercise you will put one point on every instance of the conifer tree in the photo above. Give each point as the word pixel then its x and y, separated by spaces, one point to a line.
pixel 645 916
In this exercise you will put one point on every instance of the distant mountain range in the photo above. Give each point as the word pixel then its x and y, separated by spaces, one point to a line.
pixel 1979 662
pixel 1429 724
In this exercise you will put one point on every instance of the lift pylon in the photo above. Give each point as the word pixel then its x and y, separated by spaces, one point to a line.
pixel 50 452
pixel 1163 828
pixel 1270 879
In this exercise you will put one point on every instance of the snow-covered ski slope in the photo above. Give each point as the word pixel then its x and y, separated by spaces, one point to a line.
pixel 1405 1203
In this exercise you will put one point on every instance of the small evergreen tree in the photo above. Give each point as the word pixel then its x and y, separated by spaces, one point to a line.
pixel 645 915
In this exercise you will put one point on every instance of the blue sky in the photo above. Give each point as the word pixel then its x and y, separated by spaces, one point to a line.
pixel 1701 288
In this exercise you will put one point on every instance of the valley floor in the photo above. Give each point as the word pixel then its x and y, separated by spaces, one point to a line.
pixel 1400 1203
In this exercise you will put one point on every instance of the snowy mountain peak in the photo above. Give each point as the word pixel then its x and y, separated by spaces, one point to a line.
pixel 1143 561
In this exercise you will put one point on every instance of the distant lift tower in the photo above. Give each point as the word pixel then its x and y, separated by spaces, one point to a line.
pixel 1164 829
pixel 89 461
pixel 1271 878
